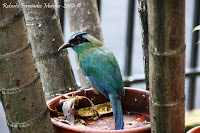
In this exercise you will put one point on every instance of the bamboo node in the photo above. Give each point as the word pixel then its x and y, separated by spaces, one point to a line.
pixel 154 51
pixel 29 122
pixel 166 104
pixel 14 53
pixel 14 90
pixel 46 57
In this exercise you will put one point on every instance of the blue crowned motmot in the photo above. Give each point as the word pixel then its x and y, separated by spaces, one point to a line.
pixel 99 65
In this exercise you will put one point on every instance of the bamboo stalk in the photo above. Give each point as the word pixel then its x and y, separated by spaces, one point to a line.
pixel 83 16
pixel 45 35
pixel 20 86
pixel 167 65
pixel 142 9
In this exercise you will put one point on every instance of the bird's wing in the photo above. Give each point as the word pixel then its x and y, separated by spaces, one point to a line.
pixel 102 69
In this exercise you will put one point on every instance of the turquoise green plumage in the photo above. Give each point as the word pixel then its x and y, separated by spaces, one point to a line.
pixel 100 66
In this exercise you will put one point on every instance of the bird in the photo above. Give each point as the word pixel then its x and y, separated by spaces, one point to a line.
pixel 100 66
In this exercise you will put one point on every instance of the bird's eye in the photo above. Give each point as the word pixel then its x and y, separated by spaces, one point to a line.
pixel 78 39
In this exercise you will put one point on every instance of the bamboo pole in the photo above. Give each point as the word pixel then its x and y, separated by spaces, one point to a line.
pixel 167 65
pixel 20 86
pixel 142 9
pixel 83 16
pixel 45 35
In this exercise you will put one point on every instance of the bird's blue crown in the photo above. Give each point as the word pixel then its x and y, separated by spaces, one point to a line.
pixel 79 33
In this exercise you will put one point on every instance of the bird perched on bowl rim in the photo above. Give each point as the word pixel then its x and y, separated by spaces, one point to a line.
pixel 100 66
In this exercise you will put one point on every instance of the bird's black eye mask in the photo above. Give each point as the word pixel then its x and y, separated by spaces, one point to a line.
pixel 78 40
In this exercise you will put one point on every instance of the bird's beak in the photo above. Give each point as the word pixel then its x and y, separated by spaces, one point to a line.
pixel 66 45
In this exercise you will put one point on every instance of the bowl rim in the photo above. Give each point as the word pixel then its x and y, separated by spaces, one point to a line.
pixel 78 129
pixel 193 129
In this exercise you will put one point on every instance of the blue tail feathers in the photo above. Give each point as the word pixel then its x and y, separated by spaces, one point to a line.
pixel 117 111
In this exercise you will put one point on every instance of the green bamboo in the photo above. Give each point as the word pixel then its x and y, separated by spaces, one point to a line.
pixel 166 22
pixel 20 85
pixel 45 35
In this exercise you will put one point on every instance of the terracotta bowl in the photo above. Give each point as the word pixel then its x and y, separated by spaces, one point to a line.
pixel 194 130
pixel 135 106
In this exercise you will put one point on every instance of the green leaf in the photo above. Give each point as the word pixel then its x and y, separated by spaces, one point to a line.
pixel 196 28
